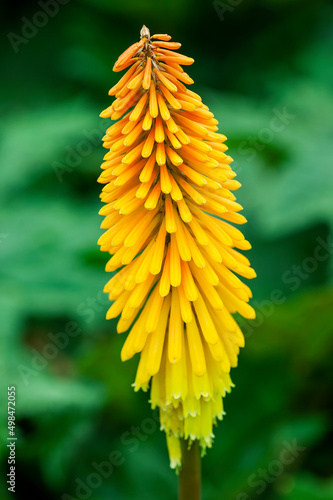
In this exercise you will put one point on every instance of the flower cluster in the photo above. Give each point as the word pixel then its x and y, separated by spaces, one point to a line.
pixel 169 214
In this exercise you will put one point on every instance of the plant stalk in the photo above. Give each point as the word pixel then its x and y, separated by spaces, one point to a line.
pixel 190 473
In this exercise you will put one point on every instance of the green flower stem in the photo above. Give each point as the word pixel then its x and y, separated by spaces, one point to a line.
pixel 190 473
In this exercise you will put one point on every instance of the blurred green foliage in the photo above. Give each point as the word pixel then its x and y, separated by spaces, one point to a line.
pixel 265 69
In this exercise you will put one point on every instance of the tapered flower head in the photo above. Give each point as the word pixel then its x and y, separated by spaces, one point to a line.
pixel 169 218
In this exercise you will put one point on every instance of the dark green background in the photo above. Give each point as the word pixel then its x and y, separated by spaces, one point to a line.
pixel 252 62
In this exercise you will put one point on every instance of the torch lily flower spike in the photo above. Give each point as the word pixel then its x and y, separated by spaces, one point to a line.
pixel 170 216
